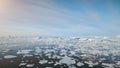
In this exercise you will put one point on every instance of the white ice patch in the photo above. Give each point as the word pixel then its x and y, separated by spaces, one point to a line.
pixel 24 51
pixel 43 61
pixel 80 64
pixel 67 60
pixel 27 55
pixel 9 56
pixel 22 64
pixel 30 65
pixel 108 65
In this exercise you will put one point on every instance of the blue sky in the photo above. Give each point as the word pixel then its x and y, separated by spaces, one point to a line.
pixel 60 17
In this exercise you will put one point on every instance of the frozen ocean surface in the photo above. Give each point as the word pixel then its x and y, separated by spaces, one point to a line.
pixel 59 52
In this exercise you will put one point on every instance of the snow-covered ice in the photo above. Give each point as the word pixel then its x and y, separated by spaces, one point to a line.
pixel 67 60
pixel 9 56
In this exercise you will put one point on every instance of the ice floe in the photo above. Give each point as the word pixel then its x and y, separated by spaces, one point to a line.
pixel 30 65
pixel 67 60
pixel 22 64
pixel 9 56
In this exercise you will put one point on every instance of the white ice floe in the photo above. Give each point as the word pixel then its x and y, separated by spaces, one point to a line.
pixel 50 62
pixel 83 55
pixel 37 50
pixel 67 60
pixel 57 63
pixel 24 51
pixel 9 56
pixel 72 52
pixel 118 62
pixel 7 50
pixel 43 61
pixel 56 56
pixel 90 63
pixel 107 65
pixel 30 65
pixel 72 66
pixel 27 55
pixel 80 64
pixel 22 64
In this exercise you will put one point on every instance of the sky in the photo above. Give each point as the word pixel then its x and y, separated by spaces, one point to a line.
pixel 60 17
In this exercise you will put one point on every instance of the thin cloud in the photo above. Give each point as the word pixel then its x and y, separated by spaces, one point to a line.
pixel 46 17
